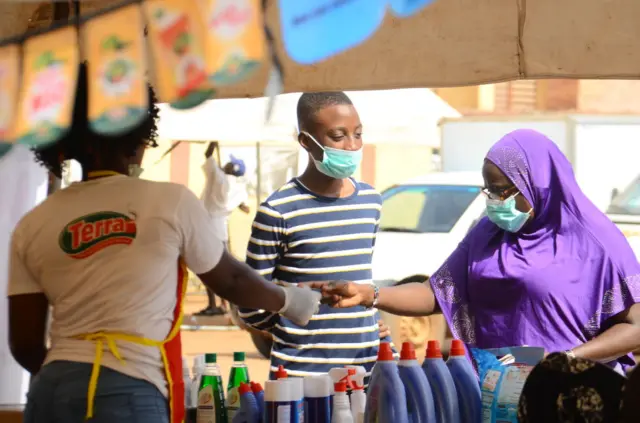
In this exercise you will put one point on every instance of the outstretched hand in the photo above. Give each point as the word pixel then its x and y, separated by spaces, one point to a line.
pixel 341 294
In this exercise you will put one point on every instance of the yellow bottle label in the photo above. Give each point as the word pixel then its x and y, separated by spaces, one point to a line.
pixel 233 402
pixel 206 406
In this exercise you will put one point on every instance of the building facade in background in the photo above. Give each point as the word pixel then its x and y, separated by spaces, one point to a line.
pixel 586 96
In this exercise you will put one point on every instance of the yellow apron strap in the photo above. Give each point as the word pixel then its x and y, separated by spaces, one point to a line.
pixel 110 338
pixel 101 174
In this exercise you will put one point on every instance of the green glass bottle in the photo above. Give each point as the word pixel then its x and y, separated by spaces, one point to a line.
pixel 239 374
pixel 211 405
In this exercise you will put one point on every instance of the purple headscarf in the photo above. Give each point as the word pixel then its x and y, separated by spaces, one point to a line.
pixel 554 283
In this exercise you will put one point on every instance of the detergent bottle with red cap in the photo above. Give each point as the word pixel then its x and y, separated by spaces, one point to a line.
pixel 419 396
pixel 386 399
pixel 281 373
pixel 443 388
pixel 249 411
pixel 341 408
pixel 258 392
pixel 466 382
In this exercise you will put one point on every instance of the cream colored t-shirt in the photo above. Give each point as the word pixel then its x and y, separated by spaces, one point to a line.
pixel 105 253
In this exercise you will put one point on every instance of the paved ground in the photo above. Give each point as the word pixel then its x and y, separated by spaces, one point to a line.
pixel 222 342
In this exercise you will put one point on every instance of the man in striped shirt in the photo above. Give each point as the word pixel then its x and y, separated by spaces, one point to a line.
pixel 320 226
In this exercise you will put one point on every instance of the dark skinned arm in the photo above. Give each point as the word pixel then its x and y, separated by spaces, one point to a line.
pixel 412 299
pixel 621 337
pixel 27 330
pixel 244 208
pixel 240 284
pixel 210 149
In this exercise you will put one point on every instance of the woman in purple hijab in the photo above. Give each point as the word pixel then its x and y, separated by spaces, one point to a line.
pixel 545 267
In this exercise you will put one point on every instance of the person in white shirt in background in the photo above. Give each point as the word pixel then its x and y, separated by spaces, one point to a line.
pixel 224 192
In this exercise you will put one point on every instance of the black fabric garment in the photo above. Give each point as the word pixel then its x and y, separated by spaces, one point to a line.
pixel 630 407
pixel 571 390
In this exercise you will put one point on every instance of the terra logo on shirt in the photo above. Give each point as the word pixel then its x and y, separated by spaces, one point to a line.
pixel 86 235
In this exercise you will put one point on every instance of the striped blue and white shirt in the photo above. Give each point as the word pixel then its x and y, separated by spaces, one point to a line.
pixel 298 236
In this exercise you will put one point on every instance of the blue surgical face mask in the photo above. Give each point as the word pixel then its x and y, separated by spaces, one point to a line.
pixel 505 214
pixel 337 164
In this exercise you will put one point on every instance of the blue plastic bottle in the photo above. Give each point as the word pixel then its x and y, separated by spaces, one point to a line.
pixel 419 396
pixel 467 385
pixel 279 403
pixel 249 411
pixel 445 396
pixel 297 398
pixel 386 398
pixel 258 392
pixel 317 399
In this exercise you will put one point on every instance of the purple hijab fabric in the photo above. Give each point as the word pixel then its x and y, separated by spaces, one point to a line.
pixel 553 284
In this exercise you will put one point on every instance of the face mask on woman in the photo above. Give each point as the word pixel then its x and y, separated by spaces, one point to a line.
pixel 505 214
pixel 336 163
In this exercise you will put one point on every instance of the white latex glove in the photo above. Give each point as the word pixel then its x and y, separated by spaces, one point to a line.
pixel 300 303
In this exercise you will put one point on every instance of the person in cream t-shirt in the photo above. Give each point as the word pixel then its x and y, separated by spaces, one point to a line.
pixel 109 257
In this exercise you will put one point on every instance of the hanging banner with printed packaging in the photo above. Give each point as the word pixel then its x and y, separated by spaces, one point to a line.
pixel 176 35
pixel 118 99
pixel 235 41
pixel 49 82
pixel 9 86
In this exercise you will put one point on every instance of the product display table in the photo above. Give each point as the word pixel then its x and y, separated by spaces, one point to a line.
pixel 11 413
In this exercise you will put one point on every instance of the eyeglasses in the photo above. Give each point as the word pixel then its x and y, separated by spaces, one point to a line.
pixel 500 195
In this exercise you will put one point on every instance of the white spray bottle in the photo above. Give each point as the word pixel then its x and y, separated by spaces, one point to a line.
pixel 341 412
pixel 194 386
pixel 337 375
pixel 358 397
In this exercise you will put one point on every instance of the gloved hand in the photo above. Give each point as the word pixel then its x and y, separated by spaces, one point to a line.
pixel 300 303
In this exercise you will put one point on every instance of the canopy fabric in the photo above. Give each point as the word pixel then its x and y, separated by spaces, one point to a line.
pixel 455 42
pixel 388 116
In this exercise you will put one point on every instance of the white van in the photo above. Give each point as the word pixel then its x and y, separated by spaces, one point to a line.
pixel 422 222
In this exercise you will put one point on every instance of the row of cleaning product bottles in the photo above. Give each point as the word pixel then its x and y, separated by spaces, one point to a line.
pixel 436 392
pixel 205 394
pixel 337 397
pixel 398 392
